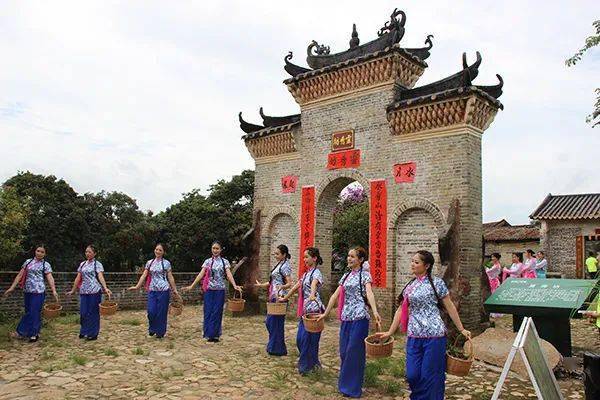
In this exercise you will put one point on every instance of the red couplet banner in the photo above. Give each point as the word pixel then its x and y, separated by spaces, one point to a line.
pixel 289 183
pixel 307 224
pixel 378 233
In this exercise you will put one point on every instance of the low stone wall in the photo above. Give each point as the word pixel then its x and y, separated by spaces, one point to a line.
pixel 117 282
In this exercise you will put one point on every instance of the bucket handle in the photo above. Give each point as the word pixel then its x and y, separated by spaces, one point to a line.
pixel 237 291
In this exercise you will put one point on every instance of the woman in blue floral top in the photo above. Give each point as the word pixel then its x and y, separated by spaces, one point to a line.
pixel 159 283
pixel 213 274
pixel 91 283
pixel 31 279
pixel 279 281
pixel 353 295
pixel 419 316
pixel 309 302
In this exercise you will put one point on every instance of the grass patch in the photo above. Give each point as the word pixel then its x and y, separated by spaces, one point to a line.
pixel 57 366
pixel 68 319
pixel 110 352
pixel 320 375
pixel 131 322
pixel 171 345
pixel 371 374
pixel 278 379
pixel 78 359
pixel 7 327
pixel 138 351
pixel 393 387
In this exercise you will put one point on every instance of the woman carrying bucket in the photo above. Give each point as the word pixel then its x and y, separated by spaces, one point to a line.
pixel 31 279
pixel 419 316
pixel 279 281
pixel 90 282
pixel 353 295
pixel 159 282
pixel 213 274
pixel 309 302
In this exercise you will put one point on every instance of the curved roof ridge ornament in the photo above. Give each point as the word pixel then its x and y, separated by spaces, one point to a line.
pixel 393 25
pixel 461 79
pixel 423 52
pixel 354 40
pixel 291 68
pixel 318 56
pixel 247 126
pixel 317 49
pixel 270 122
pixel 493 90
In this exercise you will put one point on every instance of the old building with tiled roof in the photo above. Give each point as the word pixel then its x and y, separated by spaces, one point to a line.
pixel 570 228
pixel 504 238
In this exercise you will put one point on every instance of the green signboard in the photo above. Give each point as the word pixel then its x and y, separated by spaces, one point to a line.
pixel 540 296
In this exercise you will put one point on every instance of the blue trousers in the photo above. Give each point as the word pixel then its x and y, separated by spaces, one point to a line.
pixel 275 326
pixel 31 322
pixel 89 314
pixel 426 368
pixel 158 310
pixel 353 356
pixel 213 313
pixel 308 346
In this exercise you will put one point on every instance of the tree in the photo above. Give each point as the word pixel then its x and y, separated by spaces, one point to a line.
pixel 14 218
pixel 350 223
pixel 590 42
pixel 125 236
pixel 57 217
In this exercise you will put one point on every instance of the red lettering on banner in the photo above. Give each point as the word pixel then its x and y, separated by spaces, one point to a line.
pixel 344 159
pixel 307 224
pixel 405 173
pixel 289 184
pixel 378 233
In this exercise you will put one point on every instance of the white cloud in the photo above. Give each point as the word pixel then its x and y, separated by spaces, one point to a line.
pixel 142 97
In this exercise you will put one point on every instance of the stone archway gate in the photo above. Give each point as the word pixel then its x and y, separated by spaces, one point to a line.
pixel 412 148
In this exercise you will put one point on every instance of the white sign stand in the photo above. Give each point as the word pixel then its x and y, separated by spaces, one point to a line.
pixel 527 343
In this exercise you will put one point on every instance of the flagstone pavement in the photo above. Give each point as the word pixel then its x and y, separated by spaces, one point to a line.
pixel 124 363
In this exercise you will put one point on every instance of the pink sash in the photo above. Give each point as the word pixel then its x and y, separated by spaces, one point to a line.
pixel 404 315
pixel 300 311
pixel 341 300
pixel 206 278
pixel 149 277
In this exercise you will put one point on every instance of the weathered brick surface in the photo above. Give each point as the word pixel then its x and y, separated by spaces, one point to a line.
pixel 117 282
pixel 448 167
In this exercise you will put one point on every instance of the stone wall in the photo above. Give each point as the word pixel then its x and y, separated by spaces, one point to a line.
pixel 558 241
pixel 117 282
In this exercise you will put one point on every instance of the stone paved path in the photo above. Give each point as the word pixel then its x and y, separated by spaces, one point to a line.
pixel 127 364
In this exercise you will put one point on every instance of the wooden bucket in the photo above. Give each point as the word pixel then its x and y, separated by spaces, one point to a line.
pixel 311 324
pixel 236 304
pixel 377 348
pixel 459 367
pixel 175 308
pixel 108 307
pixel 51 310
pixel 276 308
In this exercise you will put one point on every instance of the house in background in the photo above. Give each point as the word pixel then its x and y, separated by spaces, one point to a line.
pixel 504 238
pixel 570 228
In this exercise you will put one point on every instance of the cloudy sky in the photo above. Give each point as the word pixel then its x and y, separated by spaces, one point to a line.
pixel 142 96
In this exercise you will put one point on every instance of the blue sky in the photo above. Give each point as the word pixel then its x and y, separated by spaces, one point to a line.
pixel 142 96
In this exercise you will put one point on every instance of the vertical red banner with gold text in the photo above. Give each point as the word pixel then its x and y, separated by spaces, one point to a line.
pixel 307 224
pixel 378 233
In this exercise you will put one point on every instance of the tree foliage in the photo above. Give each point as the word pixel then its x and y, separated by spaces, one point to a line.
pixel 590 42
pixel 14 218
pixel 43 209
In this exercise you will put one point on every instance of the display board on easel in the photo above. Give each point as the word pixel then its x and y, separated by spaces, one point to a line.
pixel 527 344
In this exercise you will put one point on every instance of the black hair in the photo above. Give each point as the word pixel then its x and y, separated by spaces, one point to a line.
pixel 283 249
pixel 519 256
pixel 541 252
pixel 590 253
pixel 37 246
pixel 314 253
pixel 217 242
pixel 497 255
pixel 428 260
pixel 91 246
pixel 161 244
pixel 530 252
